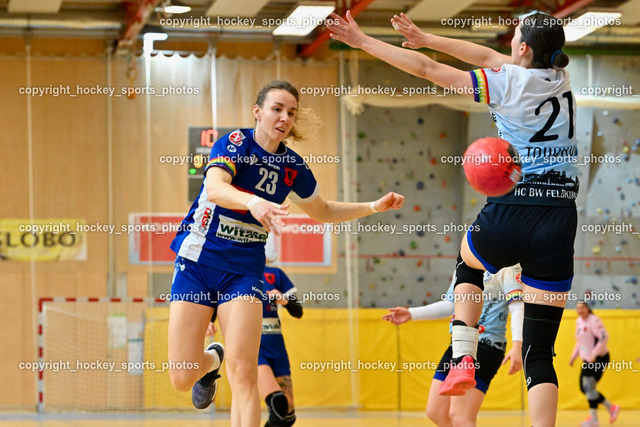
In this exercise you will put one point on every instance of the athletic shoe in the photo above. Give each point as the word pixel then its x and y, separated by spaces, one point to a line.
pixel 613 413
pixel 459 379
pixel 204 390
pixel 590 422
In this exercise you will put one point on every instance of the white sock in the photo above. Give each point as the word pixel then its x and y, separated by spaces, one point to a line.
pixel 464 341
pixel 216 359
pixel 594 414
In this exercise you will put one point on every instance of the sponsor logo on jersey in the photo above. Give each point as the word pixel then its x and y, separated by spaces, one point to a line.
pixel 271 325
pixel 231 148
pixel 270 278
pixel 236 137
pixel 290 175
pixel 206 219
pixel 496 70
pixel 237 231
pixel 253 159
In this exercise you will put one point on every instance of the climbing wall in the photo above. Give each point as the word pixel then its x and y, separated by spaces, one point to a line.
pixel 407 257
pixel 608 242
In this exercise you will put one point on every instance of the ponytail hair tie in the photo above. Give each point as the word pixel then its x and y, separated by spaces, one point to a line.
pixel 554 55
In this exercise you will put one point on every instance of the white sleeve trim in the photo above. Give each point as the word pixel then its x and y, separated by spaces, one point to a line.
pixel 516 308
pixel 300 201
pixel 437 310
pixel 291 291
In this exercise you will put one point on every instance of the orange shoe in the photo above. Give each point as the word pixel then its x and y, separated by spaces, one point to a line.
pixel 613 413
pixel 459 379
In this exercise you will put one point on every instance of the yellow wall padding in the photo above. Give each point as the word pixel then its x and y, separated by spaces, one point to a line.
pixel 387 367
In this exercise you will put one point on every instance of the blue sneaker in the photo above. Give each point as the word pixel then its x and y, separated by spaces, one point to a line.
pixel 204 390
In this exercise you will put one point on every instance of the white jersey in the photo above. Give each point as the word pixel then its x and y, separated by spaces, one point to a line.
pixel 534 110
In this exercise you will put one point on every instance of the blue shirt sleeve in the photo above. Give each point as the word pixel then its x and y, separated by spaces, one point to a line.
pixel 284 284
pixel 227 154
pixel 305 187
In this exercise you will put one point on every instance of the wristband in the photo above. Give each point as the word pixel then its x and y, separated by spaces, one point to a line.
pixel 373 207
pixel 252 201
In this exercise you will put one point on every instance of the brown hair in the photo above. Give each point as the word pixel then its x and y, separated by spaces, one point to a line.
pixel 306 124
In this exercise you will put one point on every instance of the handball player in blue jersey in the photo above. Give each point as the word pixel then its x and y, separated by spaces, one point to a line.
pixel 220 248
pixel 529 96
pixel 274 371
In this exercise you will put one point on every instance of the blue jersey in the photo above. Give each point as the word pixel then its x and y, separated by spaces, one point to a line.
pixel 500 290
pixel 272 343
pixel 534 110
pixel 233 240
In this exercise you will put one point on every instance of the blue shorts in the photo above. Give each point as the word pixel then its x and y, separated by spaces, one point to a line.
pixel 280 365
pixel 274 353
pixel 540 238
pixel 204 285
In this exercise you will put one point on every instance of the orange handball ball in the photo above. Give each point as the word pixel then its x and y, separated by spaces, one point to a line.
pixel 491 166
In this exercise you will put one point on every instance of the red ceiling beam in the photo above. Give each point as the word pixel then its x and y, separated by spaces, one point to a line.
pixel 137 15
pixel 355 9
pixel 570 6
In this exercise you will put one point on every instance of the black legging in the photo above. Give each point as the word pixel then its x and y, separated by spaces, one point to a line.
pixel 592 372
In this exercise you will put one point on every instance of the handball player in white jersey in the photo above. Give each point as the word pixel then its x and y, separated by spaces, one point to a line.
pixel 529 96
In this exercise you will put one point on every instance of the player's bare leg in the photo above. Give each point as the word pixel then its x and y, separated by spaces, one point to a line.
pixel 188 324
pixel 468 307
pixel 438 406
pixel 463 410
pixel 241 325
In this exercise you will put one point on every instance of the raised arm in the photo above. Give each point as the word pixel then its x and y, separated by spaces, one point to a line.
pixel 411 62
pixel 331 211
pixel 469 52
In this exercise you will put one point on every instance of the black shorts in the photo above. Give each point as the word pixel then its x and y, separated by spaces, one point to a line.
pixel 540 238
pixel 594 369
pixel 487 365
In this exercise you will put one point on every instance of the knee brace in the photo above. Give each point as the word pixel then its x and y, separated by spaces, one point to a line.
pixel 278 407
pixel 588 387
pixel 541 323
pixel 466 274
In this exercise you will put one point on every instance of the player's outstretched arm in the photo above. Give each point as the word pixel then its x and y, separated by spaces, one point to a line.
pixel 415 63
pixel 436 310
pixel 222 193
pixel 516 310
pixel 398 315
pixel 331 211
pixel 469 52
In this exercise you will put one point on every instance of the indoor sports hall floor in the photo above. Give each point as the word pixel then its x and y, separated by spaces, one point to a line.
pixel 306 418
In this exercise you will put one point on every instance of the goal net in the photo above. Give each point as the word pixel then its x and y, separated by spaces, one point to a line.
pixel 105 354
